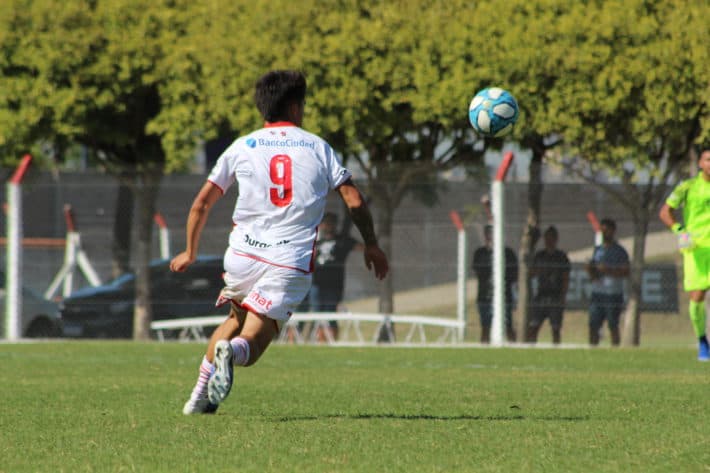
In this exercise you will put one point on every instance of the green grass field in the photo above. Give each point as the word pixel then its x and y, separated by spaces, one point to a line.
pixel 113 406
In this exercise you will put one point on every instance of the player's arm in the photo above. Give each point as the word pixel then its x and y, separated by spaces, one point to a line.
pixel 361 217
pixel 667 216
pixel 196 219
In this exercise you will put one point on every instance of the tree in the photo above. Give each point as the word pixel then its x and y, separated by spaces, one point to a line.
pixel 389 90
pixel 631 102
pixel 525 61
pixel 392 92
pixel 96 73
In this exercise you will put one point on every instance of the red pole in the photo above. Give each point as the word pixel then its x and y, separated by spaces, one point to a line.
pixel 21 169
pixel 69 218
pixel 159 220
pixel 456 220
pixel 593 221
pixel 504 166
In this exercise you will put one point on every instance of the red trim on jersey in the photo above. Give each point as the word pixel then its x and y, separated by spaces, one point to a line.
pixel 246 255
pixel 276 124
pixel 312 264
pixel 216 185
pixel 253 311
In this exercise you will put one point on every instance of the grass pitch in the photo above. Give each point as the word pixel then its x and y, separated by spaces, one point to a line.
pixel 111 406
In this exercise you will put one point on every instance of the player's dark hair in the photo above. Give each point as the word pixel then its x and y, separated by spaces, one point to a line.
pixel 608 222
pixel 276 91
pixel 551 230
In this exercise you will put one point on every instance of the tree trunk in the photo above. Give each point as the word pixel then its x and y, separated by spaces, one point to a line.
pixel 529 240
pixel 122 224
pixel 632 320
pixel 146 195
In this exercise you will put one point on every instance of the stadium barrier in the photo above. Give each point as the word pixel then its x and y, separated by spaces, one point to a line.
pixel 350 333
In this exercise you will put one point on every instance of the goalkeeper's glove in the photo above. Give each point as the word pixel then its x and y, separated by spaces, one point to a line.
pixel 685 239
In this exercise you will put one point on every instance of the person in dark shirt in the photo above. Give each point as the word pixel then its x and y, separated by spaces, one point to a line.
pixel 483 267
pixel 332 249
pixel 550 268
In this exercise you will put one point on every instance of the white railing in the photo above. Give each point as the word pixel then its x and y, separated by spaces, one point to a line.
pixel 351 330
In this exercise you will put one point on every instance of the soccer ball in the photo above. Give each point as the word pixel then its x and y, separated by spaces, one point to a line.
pixel 493 112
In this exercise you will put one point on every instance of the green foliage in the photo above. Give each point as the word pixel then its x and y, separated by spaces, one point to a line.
pixel 630 88
pixel 115 406
pixel 612 78
pixel 89 72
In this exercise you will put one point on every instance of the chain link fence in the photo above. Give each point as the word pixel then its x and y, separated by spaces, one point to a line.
pixel 424 243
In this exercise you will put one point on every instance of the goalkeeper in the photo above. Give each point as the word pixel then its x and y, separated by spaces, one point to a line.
pixel 694 242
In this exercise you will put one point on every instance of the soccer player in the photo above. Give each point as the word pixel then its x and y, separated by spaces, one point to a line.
pixel 694 242
pixel 284 175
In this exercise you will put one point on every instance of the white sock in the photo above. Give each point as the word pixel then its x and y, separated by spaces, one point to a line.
pixel 241 351
pixel 200 390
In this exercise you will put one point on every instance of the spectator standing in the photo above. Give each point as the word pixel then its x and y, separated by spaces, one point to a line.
pixel 483 268
pixel 608 269
pixel 550 268
pixel 332 249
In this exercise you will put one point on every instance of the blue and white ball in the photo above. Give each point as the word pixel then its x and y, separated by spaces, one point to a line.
pixel 493 112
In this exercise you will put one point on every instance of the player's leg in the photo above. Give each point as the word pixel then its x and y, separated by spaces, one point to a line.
pixel 244 350
pixel 276 292
pixel 696 309
pixel 235 289
pixel 199 402
pixel 696 279
pixel 258 333
pixel 229 329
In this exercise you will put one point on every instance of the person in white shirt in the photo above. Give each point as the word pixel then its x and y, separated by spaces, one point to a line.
pixel 283 174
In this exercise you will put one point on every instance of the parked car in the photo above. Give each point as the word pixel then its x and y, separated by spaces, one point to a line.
pixel 40 317
pixel 107 311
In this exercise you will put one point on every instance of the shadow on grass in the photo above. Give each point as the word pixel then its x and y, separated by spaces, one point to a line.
pixel 431 417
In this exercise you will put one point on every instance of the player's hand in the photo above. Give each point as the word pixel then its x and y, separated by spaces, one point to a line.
pixel 376 258
pixel 181 262
pixel 685 241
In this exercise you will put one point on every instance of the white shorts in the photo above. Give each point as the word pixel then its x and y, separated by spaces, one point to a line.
pixel 261 287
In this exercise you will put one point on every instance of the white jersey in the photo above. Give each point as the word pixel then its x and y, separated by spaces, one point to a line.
pixel 283 175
